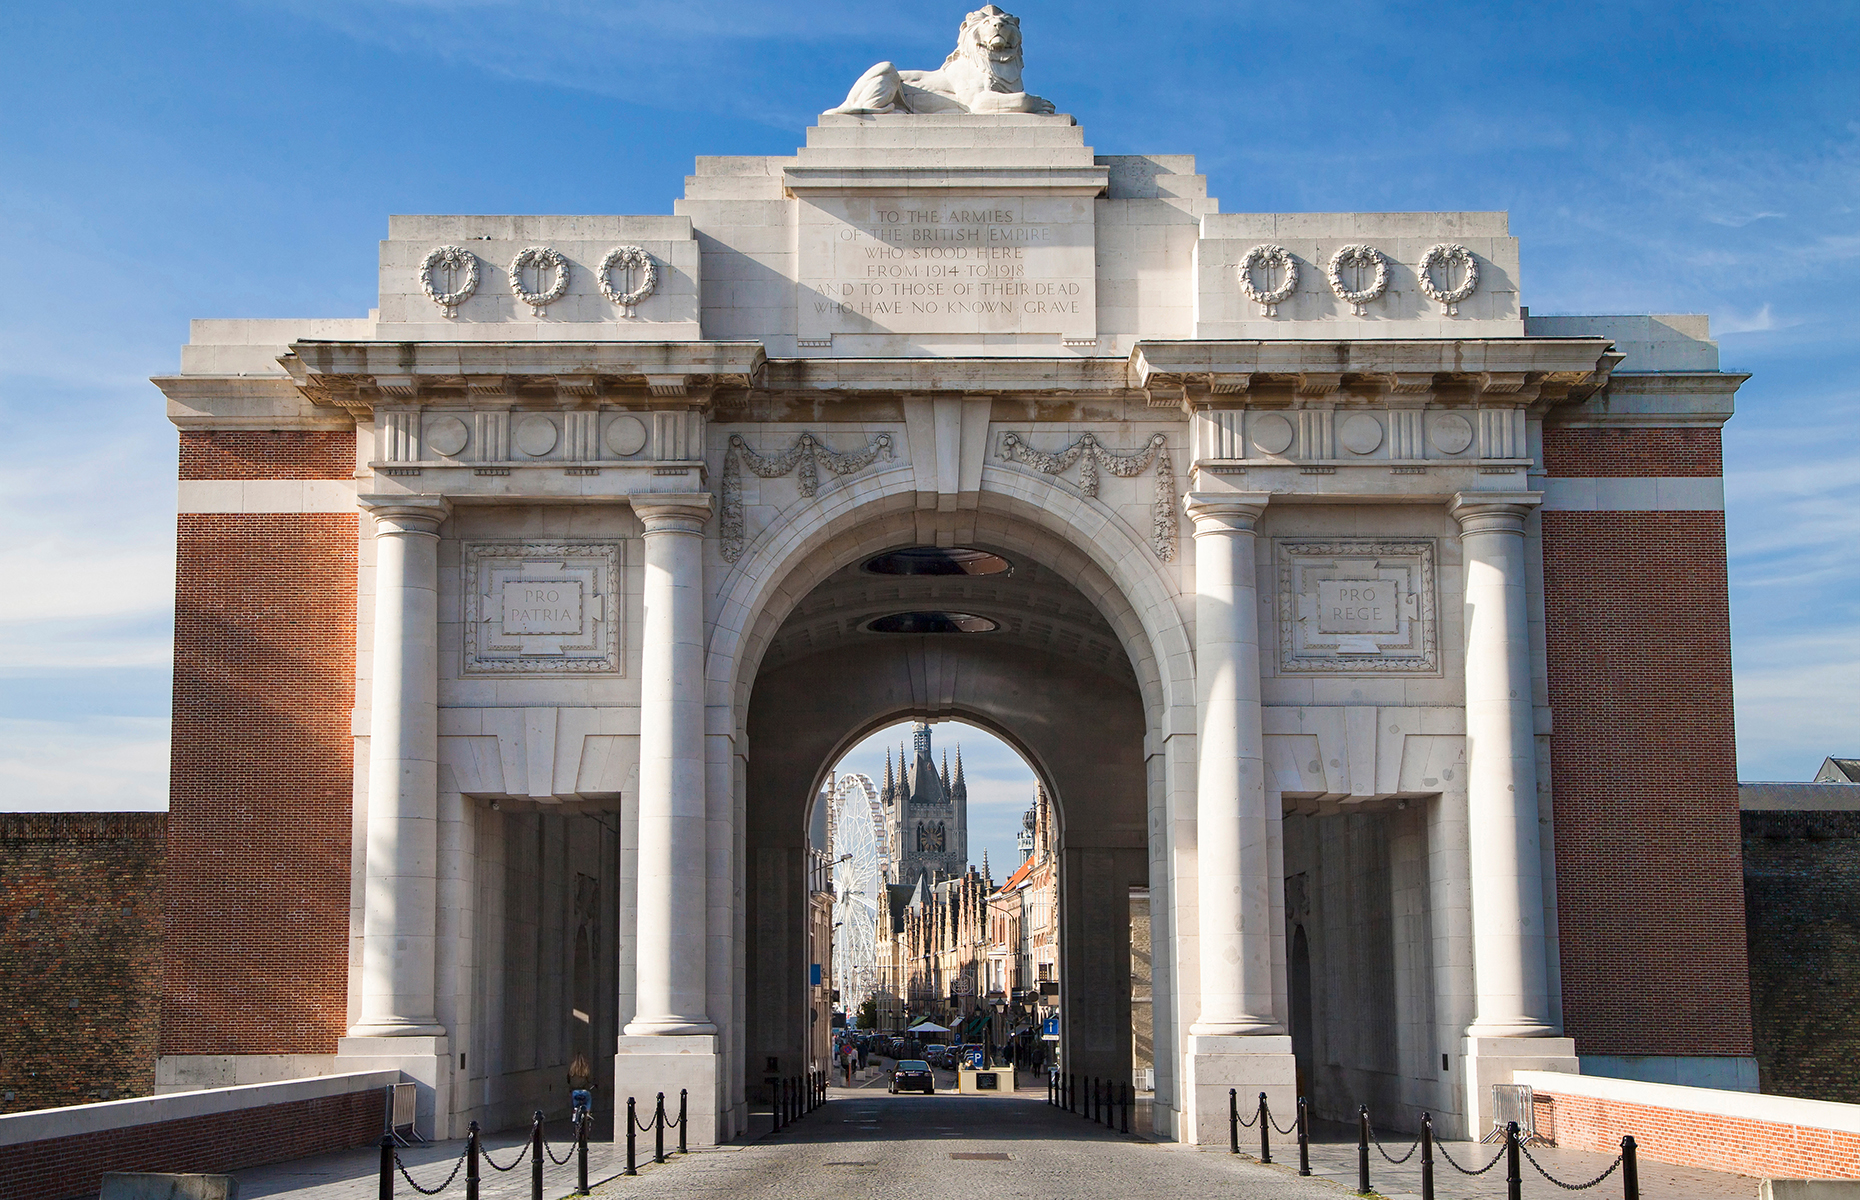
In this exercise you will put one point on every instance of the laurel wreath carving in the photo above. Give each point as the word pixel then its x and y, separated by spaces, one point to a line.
pixel 1268 258
pixel 454 257
pixel 1448 254
pixel 1357 255
pixel 808 453
pixel 1090 454
pixel 543 258
pixel 627 258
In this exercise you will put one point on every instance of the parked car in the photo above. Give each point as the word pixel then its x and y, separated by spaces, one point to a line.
pixel 913 1075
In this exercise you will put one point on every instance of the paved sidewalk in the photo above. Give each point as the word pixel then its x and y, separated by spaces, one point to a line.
pixel 865 1144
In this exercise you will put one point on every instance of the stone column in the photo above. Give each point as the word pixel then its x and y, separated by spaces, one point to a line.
pixel 672 875
pixel 1235 1043
pixel 400 907
pixel 1510 962
pixel 398 1027
pixel 1232 862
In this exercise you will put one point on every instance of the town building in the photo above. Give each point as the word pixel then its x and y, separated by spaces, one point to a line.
pixel 926 814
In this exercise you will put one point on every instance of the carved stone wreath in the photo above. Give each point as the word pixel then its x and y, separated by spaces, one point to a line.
pixel 1268 258
pixel 454 257
pixel 627 258
pixel 543 258
pixel 1357 255
pixel 1091 454
pixel 1448 254
pixel 808 453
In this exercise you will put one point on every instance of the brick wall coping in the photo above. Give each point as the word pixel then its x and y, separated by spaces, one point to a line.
pixel 41 1124
pixel 1798 797
pixel 1748 1106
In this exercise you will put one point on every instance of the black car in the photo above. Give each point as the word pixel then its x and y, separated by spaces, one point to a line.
pixel 913 1075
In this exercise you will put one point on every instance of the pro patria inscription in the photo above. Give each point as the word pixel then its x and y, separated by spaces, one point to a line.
pixel 533 606
pixel 911 264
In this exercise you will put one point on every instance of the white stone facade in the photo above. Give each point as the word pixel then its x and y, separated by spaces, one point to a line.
pixel 1277 571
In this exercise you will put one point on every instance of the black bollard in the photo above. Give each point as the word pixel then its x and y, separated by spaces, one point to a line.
pixel 1304 1138
pixel 1514 1182
pixel 471 1162
pixel 1233 1121
pixel 1097 1111
pixel 632 1129
pixel 1362 1150
pixel 581 1152
pixel 1265 1130
pixel 658 1130
pixel 1427 1156
pixel 1630 1170
pixel 536 1155
pixel 1130 1100
pixel 683 1096
pixel 387 1165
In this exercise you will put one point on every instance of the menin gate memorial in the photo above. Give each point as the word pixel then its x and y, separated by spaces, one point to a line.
pixel 1354 610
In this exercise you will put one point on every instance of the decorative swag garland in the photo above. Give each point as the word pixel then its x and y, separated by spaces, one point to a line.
pixel 808 453
pixel 1090 454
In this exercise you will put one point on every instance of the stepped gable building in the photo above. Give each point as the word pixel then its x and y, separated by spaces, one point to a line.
pixel 1342 602
pixel 926 814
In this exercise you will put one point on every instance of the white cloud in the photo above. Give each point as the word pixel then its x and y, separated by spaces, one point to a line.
pixel 94 763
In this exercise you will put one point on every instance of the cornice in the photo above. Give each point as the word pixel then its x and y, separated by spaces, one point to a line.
pixel 356 376
pixel 1050 181
pixel 1666 399
pixel 1506 371
pixel 959 376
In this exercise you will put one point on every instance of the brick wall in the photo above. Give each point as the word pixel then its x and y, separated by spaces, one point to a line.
pixel 80 956
pixel 257 895
pixel 1802 913
pixel 1649 877
pixel 216 1143
pixel 1713 1141
pixel 268 454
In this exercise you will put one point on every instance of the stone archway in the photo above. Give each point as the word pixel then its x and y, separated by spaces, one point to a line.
pixel 1072 680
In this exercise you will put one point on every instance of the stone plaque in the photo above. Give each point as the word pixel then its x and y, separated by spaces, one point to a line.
pixel 1357 607
pixel 542 608
pixel 548 606
pixel 934 264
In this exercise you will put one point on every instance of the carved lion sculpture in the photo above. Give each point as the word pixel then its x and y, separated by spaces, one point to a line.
pixel 981 75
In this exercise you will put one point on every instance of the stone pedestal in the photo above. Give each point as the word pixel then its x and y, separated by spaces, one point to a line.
pixel 1247 1065
pixel 1491 1060
pixel 426 1061
pixel 646 1066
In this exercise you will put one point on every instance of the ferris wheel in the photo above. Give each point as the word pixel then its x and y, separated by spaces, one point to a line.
pixel 858 885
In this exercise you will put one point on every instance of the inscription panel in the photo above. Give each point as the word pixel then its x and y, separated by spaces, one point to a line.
pixel 931 264
pixel 542 608
pixel 1362 607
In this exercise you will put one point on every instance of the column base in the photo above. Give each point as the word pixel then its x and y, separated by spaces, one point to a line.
pixel 646 1066
pixel 1249 1066
pixel 427 1061
pixel 1491 1060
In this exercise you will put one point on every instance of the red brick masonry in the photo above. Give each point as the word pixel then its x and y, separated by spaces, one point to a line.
pixel 215 1143
pixel 1745 1146
pixel 257 890
pixel 1643 758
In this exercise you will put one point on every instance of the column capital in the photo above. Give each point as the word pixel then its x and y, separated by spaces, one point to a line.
pixel 1493 512
pixel 1225 512
pixel 672 512
pixel 405 513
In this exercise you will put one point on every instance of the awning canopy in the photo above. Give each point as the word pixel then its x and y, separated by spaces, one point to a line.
pixel 927 1027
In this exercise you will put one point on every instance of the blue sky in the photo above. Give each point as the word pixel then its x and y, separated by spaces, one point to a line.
pixel 162 161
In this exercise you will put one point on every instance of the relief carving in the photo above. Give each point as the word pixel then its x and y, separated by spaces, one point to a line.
pixel 1357 607
pixel 542 608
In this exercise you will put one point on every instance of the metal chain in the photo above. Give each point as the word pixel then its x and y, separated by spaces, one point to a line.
pixel 1572 1187
pixel 1442 1147
pixel 643 1126
pixel 562 1161
pixel 442 1187
pixel 1385 1154
pixel 1288 1130
pixel 514 1163
pixel 1246 1124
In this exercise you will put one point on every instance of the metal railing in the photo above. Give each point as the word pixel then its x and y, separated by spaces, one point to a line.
pixel 1106 1101
pixel 1513 1153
